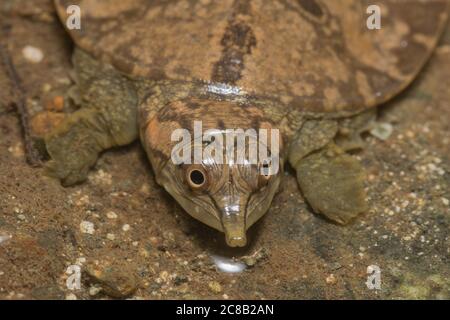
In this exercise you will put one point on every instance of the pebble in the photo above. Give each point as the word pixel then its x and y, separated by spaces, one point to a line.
pixel 215 287
pixel 4 238
pixel 93 291
pixel 111 215
pixel 87 227
pixel 382 130
pixel 17 150
pixel 445 201
pixel 101 178
pixel 164 275
pixel 71 296
pixel 58 103
pixel 126 227
pixel 251 260
pixel 115 280
pixel 83 200
pixel 145 189
pixel 110 236
pixel 331 279
pixel 33 54
pixel 46 87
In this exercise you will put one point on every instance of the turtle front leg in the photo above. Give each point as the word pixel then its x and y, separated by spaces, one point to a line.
pixel 331 180
pixel 107 119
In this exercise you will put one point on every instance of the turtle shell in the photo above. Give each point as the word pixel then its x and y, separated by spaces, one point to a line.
pixel 318 56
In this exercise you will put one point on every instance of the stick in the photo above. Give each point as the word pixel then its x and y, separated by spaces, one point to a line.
pixel 31 153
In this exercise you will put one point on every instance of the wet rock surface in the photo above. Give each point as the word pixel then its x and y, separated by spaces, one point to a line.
pixel 140 244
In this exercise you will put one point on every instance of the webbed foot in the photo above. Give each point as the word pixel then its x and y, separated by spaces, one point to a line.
pixel 333 183
pixel 73 149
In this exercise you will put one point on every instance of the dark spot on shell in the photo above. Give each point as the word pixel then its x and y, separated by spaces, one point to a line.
pixel 312 7
pixel 237 42
pixel 221 124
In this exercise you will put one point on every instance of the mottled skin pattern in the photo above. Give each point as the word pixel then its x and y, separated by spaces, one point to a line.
pixel 309 68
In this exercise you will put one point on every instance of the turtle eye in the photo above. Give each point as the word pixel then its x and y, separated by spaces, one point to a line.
pixel 264 176
pixel 197 178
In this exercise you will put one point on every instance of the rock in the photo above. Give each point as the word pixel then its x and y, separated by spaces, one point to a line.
pixel 71 296
pixel 331 279
pixel 252 259
pixel 87 227
pixel 111 215
pixel 249 261
pixel 101 178
pixel 4 237
pixel 93 291
pixel 55 104
pixel 382 130
pixel 117 281
pixel 32 54
pixel 111 236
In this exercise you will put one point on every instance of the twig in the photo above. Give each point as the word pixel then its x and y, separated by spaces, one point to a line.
pixel 32 154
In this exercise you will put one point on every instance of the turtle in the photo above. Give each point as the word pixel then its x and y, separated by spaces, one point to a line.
pixel 309 72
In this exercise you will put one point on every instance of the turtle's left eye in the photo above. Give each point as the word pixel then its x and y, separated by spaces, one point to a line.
pixel 197 178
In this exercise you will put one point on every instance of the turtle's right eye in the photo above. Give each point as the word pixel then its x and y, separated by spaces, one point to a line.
pixel 197 178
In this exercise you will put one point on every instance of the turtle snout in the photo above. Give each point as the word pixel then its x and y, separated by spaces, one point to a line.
pixel 234 227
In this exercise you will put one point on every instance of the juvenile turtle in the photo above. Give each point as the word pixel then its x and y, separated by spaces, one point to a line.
pixel 311 69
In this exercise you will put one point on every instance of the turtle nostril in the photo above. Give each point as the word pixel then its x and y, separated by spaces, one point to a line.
pixel 236 241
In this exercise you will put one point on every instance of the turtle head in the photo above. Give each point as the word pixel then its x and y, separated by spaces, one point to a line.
pixel 225 178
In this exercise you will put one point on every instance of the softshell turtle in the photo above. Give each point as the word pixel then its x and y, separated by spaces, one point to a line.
pixel 311 69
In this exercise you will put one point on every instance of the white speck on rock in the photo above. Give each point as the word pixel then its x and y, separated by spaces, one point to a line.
pixel 87 227
pixel 111 236
pixel 33 54
pixel 126 227
pixel 445 201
